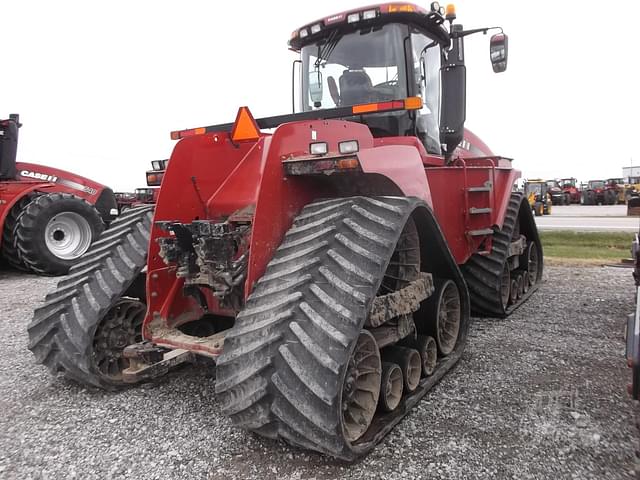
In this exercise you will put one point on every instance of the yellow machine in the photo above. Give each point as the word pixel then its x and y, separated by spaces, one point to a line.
pixel 537 192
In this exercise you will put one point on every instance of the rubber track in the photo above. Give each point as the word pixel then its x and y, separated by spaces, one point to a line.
pixel 9 250
pixel 25 239
pixel 483 272
pixel 62 330
pixel 284 360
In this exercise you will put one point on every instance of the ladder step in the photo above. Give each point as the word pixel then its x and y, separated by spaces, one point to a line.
pixel 481 233
pixel 478 211
pixel 479 189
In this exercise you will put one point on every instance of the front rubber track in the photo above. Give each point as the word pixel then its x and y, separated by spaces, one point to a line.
pixel 62 330
pixel 30 230
pixel 483 272
pixel 284 361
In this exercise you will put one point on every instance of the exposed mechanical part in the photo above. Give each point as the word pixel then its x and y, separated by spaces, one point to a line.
pixel 391 387
pixel 92 296
pixel 209 254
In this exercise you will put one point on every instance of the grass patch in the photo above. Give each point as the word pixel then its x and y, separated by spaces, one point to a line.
pixel 610 246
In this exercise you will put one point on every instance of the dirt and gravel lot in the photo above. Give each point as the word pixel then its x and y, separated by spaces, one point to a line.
pixel 539 395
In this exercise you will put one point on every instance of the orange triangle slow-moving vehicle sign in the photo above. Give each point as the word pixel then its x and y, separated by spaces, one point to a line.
pixel 245 126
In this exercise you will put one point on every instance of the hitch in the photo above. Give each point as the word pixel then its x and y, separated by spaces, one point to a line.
pixel 148 361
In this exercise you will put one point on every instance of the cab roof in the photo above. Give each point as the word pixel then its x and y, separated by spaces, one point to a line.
pixel 370 16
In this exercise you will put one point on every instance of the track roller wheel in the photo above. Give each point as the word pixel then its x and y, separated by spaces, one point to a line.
pixel 85 323
pixel 428 354
pixel 520 286
pixel 513 292
pixel 445 314
pixel 410 363
pixel 525 282
pixel 533 263
pixel 391 387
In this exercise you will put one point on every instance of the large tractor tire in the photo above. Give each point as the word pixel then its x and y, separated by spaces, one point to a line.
pixel 54 230
pixel 95 311
pixel 9 249
pixel 589 197
pixel 302 362
pixel 491 279
pixel 610 197
pixel 538 208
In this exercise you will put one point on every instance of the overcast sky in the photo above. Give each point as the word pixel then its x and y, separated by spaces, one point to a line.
pixel 99 85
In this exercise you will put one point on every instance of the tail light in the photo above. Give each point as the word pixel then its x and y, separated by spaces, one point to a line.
pixel 154 179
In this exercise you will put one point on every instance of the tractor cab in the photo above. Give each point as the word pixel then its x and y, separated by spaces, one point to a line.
pixel 8 147
pixel 387 53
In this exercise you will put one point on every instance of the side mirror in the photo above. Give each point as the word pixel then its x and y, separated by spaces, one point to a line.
pixel 498 52
pixel 315 87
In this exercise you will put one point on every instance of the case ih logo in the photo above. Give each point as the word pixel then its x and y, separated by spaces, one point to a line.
pixel 39 176
pixel 53 179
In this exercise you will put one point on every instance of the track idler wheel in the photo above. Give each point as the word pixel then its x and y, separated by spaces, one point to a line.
pixel 391 387
pixel 410 363
pixel 513 293
pixel 361 387
pixel 444 311
pixel 520 286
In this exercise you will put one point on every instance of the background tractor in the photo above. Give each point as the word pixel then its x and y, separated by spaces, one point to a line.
pixel 537 193
pixel 570 190
pixel 328 268
pixel 555 191
pixel 615 191
pixel 593 193
pixel 48 217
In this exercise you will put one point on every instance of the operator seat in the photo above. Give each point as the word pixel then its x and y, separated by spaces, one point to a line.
pixel 355 87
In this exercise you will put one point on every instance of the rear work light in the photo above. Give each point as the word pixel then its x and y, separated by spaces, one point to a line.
pixel 304 33
pixel 353 18
pixel 316 28
pixel 318 148
pixel 156 165
pixel 350 146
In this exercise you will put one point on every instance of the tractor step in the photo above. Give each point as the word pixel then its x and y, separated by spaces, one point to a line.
pixel 480 211
pixel 483 188
pixel 148 361
pixel 481 232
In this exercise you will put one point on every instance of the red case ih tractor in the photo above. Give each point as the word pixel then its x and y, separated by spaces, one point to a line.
pixel 329 268
pixel 571 191
pixel 48 217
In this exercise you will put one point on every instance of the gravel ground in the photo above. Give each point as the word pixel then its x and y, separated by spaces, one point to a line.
pixel 539 395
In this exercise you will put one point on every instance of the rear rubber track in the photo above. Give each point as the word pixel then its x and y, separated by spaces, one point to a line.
pixel 483 272
pixel 9 249
pixel 62 330
pixel 284 361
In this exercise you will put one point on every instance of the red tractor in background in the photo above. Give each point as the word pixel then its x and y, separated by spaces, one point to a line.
pixel 328 268
pixel 48 217
pixel 144 196
pixel 615 191
pixel 555 192
pixel 570 190
pixel 593 193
